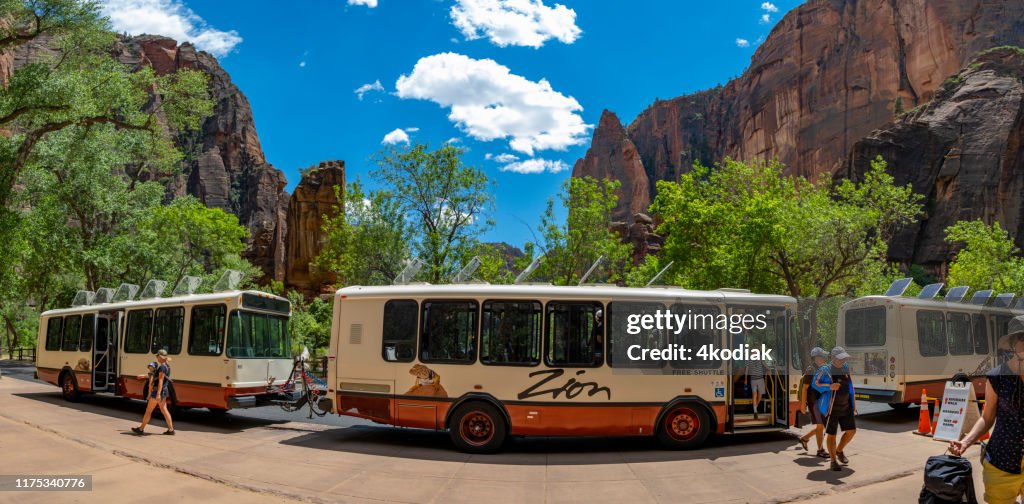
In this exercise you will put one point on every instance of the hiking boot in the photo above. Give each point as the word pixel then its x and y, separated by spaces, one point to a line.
pixel 836 466
pixel 842 458
pixel 822 454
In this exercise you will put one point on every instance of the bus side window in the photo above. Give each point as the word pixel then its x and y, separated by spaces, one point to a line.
pixel 53 327
pixel 139 330
pixel 206 330
pixel 448 332
pixel 622 334
pixel 72 328
pixel 958 325
pixel 510 333
pixel 699 332
pixel 168 326
pixel 980 334
pixel 398 342
pixel 574 334
pixel 88 330
pixel 931 333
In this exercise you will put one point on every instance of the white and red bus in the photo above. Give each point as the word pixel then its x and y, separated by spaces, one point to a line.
pixel 485 362
pixel 900 345
pixel 226 348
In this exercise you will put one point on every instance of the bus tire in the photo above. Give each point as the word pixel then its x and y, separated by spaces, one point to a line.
pixel 69 387
pixel 684 426
pixel 477 427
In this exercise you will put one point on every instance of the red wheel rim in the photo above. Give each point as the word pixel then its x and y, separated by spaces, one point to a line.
pixel 69 386
pixel 682 424
pixel 476 428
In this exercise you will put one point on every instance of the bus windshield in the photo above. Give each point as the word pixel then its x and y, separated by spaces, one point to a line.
pixel 258 335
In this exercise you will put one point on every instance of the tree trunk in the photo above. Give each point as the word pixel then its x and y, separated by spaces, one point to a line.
pixel 12 336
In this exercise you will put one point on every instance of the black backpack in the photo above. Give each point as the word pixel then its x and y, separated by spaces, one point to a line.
pixel 947 480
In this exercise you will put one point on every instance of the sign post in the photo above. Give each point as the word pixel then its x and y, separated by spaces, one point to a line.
pixel 958 411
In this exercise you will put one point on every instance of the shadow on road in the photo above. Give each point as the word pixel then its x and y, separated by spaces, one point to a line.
pixel 199 420
pixel 428 445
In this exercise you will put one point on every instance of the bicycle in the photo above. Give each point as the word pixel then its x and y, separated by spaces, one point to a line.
pixel 308 388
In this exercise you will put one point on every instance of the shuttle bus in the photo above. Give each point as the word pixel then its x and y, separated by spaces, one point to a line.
pixel 226 348
pixel 484 362
pixel 900 345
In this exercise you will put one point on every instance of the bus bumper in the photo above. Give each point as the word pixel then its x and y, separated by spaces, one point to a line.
pixel 877 395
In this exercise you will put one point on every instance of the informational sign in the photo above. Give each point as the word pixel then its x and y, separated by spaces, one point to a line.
pixel 958 411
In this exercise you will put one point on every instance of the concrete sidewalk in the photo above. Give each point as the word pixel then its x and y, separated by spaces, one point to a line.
pixel 374 464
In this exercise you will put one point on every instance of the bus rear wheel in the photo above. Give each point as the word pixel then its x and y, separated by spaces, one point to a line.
pixel 477 427
pixel 684 427
pixel 69 387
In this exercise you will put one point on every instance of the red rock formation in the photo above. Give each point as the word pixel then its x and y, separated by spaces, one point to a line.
pixel 224 164
pixel 313 199
pixel 828 74
pixel 964 151
pixel 612 155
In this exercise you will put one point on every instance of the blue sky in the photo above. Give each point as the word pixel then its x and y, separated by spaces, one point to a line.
pixel 504 78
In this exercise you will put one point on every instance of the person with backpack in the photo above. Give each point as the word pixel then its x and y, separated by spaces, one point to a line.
pixel 1002 460
pixel 809 397
pixel 837 404
pixel 159 391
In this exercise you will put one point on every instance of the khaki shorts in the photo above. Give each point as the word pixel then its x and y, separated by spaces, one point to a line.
pixel 757 386
pixel 1001 487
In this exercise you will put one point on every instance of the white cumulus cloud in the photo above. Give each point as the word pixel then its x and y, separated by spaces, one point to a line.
pixel 170 18
pixel 366 88
pixel 535 165
pixel 487 101
pixel 502 158
pixel 397 136
pixel 369 3
pixel 765 19
pixel 742 42
pixel 515 22
pixel 770 7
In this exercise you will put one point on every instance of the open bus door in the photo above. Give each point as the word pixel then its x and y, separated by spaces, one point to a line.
pixel 767 344
pixel 105 352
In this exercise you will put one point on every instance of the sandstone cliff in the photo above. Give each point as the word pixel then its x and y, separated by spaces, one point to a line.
pixel 313 199
pixel 224 164
pixel 828 74
pixel 964 151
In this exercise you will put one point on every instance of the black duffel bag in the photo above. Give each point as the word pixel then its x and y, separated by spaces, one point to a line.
pixel 947 480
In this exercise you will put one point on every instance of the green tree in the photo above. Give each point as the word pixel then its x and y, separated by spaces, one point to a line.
pixel 310 324
pixel 570 247
pixel 447 203
pixel 366 238
pixel 988 258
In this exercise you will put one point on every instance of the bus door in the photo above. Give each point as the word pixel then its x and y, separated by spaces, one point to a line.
pixel 104 369
pixel 760 371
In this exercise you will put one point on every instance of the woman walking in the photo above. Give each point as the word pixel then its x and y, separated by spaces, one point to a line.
pixel 810 400
pixel 159 391
pixel 1004 389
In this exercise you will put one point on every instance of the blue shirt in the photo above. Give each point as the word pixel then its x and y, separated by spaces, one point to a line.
pixel 1006 445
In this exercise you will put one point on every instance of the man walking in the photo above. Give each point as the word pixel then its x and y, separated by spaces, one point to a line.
pixel 837 404
pixel 810 401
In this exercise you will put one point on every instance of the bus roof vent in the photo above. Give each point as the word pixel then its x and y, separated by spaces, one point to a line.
pixel 525 274
pixel 981 297
pixel 1004 300
pixel 956 294
pixel 83 298
pixel 104 295
pixel 930 291
pixel 187 286
pixel 466 273
pixel 125 292
pixel 898 287
pixel 591 270
pixel 229 281
pixel 411 269
pixel 154 289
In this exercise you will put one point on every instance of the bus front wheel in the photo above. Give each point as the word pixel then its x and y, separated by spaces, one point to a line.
pixel 477 427
pixel 69 387
pixel 684 426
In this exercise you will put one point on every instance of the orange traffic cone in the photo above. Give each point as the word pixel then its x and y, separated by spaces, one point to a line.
pixel 935 416
pixel 924 423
